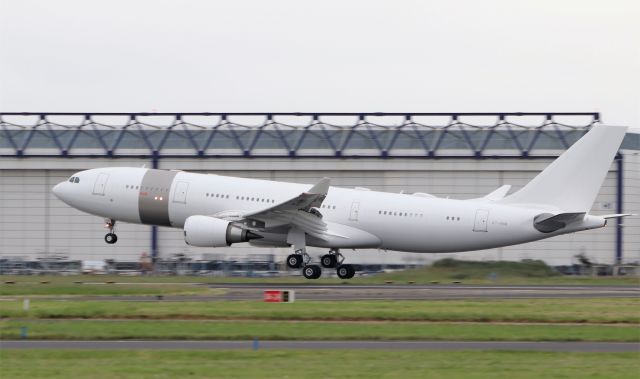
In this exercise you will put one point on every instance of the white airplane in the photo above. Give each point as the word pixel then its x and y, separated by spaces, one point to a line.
pixel 218 210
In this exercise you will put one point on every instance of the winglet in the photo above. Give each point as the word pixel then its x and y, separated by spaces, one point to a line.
pixel 320 188
pixel 499 193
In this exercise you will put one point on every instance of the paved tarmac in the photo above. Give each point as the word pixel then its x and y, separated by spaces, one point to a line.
pixel 374 345
pixel 425 292
pixel 394 291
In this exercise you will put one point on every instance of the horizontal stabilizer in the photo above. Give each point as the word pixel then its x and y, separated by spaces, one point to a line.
pixel 547 222
pixel 618 215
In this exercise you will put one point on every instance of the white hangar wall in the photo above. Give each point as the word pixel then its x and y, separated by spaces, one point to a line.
pixel 34 223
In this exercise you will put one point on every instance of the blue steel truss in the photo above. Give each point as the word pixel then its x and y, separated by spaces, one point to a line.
pixel 158 135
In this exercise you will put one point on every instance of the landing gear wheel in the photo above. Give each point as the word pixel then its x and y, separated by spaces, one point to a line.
pixel 346 271
pixel 329 261
pixel 312 271
pixel 294 261
pixel 110 238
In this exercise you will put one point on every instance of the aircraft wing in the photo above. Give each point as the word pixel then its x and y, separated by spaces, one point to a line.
pixel 300 211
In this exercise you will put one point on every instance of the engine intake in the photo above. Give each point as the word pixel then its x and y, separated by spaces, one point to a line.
pixel 205 231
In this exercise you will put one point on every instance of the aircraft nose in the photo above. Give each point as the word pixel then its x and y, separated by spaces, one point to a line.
pixel 57 190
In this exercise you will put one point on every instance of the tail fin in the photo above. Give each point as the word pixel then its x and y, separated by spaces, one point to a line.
pixel 572 181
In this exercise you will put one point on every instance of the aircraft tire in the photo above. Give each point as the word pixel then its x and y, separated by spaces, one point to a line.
pixel 329 261
pixel 110 238
pixel 312 271
pixel 294 261
pixel 346 271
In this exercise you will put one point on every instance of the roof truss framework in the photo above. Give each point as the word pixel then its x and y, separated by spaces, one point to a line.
pixel 322 134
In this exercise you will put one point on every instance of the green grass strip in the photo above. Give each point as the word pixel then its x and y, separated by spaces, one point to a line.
pixel 282 330
pixel 424 275
pixel 575 310
pixel 97 289
pixel 354 364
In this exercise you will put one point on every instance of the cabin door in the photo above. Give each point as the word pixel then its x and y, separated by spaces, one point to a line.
pixel 482 218
pixel 355 211
pixel 180 195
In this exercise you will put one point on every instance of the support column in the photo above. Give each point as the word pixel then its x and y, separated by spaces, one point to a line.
pixel 154 229
pixel 619 207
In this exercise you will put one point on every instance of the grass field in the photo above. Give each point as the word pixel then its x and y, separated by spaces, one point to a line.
pixel 559 319
pixel 443 272
pixel 287 330
pixel 111 364
pixel 564 310
pixel 98 289
pixel 503 272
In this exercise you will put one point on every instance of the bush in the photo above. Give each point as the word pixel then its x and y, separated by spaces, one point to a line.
pixel 465 269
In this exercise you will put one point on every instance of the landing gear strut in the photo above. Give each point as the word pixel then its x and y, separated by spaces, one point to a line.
pixel 110 237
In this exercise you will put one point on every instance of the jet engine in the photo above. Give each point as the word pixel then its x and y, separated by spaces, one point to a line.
pixel 205 231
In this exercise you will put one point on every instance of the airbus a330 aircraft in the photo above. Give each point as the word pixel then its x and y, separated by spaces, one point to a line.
pixel 218 211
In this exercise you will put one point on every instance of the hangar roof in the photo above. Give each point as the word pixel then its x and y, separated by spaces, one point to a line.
pixel 295 134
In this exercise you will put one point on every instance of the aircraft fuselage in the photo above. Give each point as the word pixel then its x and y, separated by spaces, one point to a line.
pixel 368 219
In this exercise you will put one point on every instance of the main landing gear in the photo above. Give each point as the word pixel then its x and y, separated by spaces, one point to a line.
pixel 110 237
pixel 332 260
pixel 301 259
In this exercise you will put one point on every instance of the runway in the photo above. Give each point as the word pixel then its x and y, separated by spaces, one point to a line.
pixel 609 347
pixel 346 292
pixel 426 292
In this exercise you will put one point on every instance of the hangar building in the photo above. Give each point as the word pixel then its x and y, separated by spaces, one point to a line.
pixel 461 155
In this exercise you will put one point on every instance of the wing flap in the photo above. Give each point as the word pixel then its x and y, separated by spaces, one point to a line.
pixel 300 211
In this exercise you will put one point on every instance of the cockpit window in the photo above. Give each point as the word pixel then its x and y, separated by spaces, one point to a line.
pixel 71 179
pixel 77 180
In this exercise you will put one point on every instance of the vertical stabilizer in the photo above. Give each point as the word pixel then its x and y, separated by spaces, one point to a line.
pixel 572 182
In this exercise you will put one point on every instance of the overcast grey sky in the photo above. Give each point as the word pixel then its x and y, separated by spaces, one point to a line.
pixel 279 55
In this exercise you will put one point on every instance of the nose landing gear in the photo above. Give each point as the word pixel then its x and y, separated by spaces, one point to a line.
pixel 110 237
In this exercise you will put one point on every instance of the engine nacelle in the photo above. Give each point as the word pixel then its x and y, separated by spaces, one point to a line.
pixel 205 231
